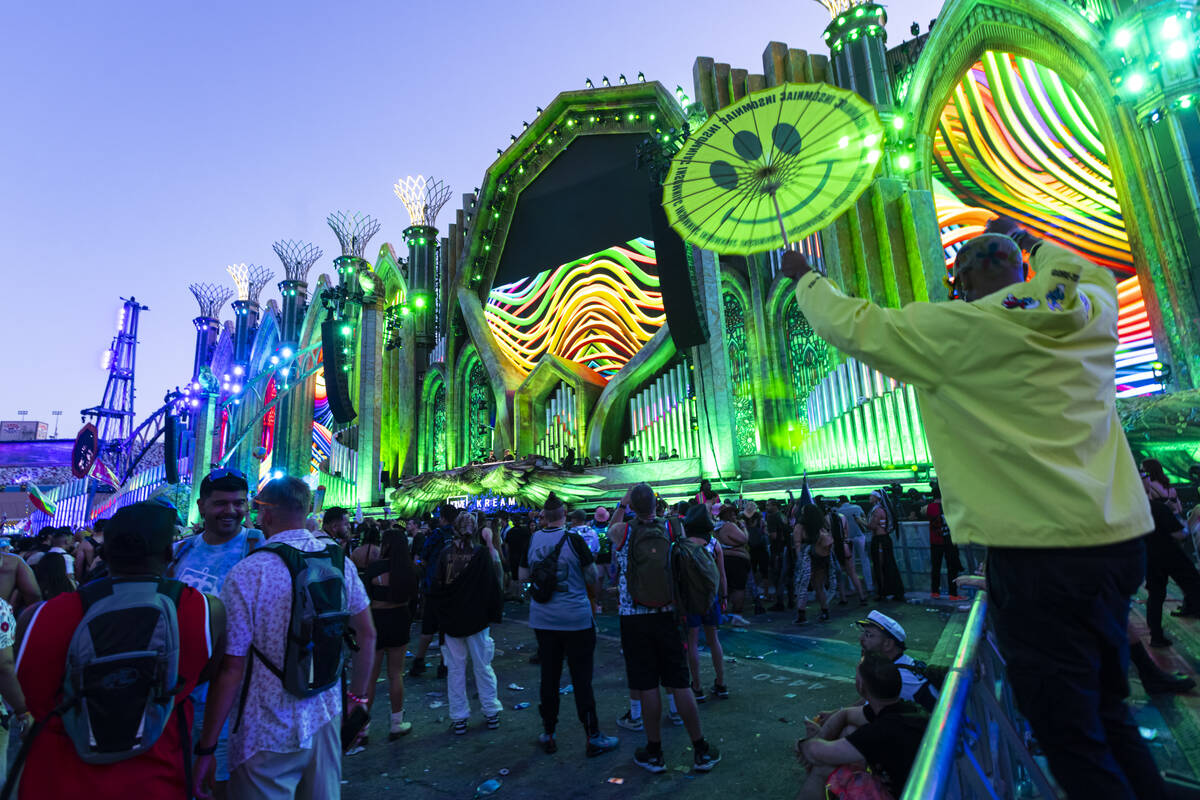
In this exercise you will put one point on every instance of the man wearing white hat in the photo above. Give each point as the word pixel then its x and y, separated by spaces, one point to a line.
pixel 882 634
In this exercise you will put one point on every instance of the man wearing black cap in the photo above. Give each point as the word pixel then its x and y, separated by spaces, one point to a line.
pixel 137 548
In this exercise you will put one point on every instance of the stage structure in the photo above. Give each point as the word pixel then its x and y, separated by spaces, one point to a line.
pixel 560 317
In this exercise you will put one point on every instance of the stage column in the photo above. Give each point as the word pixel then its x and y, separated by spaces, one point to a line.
pixel 714 411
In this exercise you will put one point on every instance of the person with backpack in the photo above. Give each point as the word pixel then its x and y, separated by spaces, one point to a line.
pixel 650 639
pixel 292 605
pixel 107 671
pixel 564 580
pixel 698 529
pixel 432 546
pixel 465 600
pixel 941 547
pixel 204 559
pixel 89 552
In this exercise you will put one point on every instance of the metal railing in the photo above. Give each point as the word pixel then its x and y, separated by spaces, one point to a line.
pixel 976 744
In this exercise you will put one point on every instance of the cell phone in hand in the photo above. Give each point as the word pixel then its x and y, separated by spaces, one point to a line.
pixel 355 721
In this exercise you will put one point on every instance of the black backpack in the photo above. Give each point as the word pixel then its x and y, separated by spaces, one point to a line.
pixel 543 575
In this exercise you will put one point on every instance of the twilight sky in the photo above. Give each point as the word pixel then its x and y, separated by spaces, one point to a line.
pixel 146 145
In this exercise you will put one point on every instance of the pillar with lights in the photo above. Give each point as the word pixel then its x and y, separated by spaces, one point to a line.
pixel 1154 48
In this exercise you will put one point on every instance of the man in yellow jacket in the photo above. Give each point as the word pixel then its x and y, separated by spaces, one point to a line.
pixel 1017 391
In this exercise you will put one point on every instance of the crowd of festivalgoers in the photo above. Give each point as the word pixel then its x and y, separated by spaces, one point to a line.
pixel 259 728
pixel 242 662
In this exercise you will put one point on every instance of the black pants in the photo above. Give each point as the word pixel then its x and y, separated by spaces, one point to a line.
pixel 883 567
pixel 949 551
pixel 1060 617
pixel 783 566
pixel 579 647
pixel 1165 560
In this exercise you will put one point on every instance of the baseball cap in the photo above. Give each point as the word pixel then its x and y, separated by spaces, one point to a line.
pixel 885 623
pixel 138 531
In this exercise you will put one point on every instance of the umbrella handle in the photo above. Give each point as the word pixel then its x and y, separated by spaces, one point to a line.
pixel 779 216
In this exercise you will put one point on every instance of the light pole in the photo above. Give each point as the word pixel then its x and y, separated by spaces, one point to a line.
pixel 56 414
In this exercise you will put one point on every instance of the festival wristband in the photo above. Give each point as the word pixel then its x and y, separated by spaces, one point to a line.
pixel 204 751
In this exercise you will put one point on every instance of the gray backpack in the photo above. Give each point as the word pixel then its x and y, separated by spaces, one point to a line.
pixel 122 673
pixel 315 645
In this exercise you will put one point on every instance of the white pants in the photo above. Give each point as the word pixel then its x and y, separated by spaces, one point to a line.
pixel 481 648
pixel 863 560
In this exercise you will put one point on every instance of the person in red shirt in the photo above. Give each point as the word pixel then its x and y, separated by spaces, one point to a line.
pixel 941 547
pixel 137 546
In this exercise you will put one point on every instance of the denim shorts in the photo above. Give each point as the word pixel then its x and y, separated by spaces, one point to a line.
pixel 711 619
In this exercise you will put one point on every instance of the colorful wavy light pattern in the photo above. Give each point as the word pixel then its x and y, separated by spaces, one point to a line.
pixel 1015 140
pixel 597 311
pixel 267 440
pixel 322 436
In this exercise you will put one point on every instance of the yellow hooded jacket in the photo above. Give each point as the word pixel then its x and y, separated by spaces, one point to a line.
pixel 1017 391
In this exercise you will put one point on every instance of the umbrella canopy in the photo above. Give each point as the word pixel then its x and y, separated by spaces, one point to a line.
pixel 775 166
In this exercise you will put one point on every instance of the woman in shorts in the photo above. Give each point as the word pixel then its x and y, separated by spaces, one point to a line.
pixel 699 528
pixel 733 539
pixel 392 587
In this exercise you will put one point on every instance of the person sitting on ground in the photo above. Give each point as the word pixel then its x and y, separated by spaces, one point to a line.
pixel 882 634
pixel 883 735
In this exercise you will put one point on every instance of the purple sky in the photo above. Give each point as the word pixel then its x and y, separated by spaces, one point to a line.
pixel 148 145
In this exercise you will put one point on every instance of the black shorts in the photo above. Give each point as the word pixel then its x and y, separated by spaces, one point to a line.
pixel 428 621
pixel 392 627
pixel 654 655
pixel 760 560
pixel 737 570
pixel 819 562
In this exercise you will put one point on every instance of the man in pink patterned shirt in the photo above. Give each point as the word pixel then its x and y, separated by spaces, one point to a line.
pixel 282 746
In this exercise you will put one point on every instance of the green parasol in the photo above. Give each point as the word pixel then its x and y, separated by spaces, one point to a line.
pixel 777 165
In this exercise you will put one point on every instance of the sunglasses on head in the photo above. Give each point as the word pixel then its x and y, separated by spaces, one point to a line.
pixel 225 472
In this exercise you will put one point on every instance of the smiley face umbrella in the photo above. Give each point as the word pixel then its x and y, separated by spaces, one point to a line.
pixel 775 166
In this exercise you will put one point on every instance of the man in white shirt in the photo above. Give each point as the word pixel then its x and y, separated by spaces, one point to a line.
pixel 282 745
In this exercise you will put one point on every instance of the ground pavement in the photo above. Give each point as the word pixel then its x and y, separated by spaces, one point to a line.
pixel 777 674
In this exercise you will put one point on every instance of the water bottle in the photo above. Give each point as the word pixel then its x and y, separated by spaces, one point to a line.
pixel 487 788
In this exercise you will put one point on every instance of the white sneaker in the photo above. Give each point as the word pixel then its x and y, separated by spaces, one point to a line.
pixel 630 724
